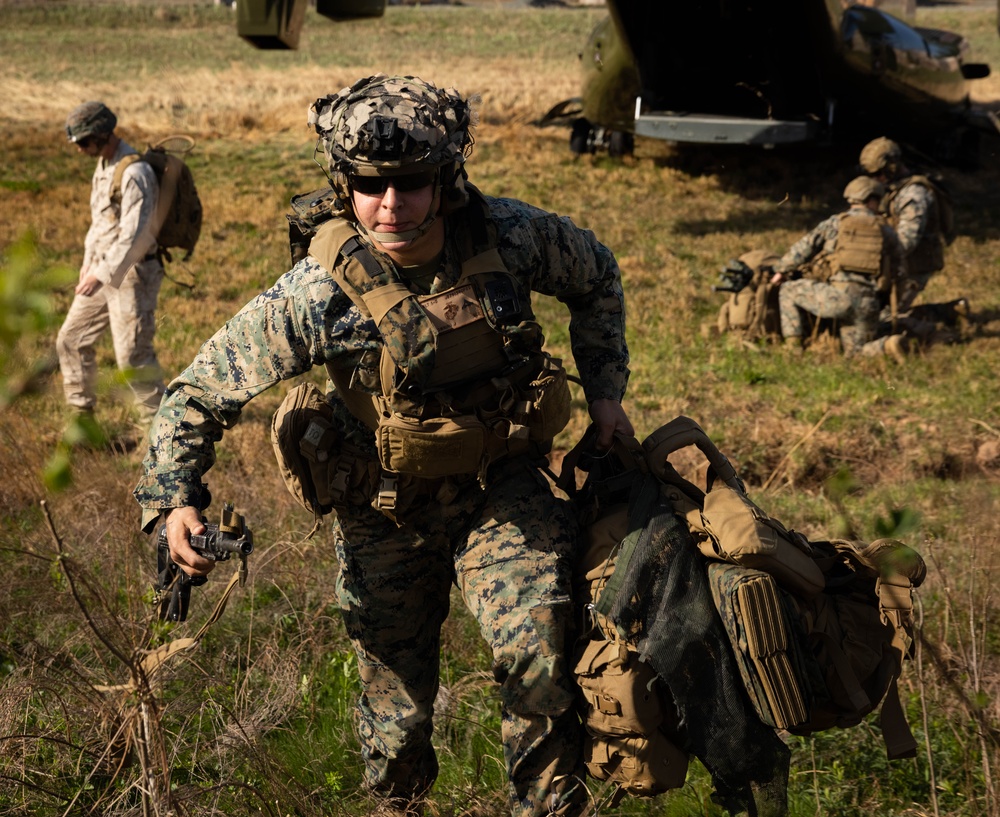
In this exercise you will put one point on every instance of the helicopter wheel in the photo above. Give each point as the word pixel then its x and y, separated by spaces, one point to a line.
pixel 580 137
pixel 621 143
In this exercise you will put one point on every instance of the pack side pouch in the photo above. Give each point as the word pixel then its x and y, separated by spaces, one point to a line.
pixel 743 534
pixel 619 691
pixel 742 306
pixel 643 766
pixel 438 447
pixel 852 649
pixel 756 620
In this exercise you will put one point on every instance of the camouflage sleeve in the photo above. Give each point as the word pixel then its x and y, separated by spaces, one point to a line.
pixel 304 320
pixel 892 244
pixel 559 259
pixel 910 211
pixel 809 246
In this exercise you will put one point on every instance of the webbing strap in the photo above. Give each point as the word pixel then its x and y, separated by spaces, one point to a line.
pixel 154 660
pixel 899 740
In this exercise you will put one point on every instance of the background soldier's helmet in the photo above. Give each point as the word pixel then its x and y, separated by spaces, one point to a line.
pixel 393 126
pixel 879 155
pixel 90 119
pixel 859 190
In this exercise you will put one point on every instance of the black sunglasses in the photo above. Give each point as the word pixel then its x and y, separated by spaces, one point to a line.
pixel 374 185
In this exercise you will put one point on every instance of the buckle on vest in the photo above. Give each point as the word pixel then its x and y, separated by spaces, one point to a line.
pixel 340 481
pixel 386 499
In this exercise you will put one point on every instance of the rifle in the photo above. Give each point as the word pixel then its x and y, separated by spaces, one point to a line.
pixel 735 277
pixel 218 543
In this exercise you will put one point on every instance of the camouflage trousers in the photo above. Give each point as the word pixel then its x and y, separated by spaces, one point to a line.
pixel 854 306
pixel 909 288
pixel 509 549
pixel 130 312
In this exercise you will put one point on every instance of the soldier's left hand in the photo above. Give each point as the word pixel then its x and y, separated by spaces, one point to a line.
pixel 609 417
pixel 89 284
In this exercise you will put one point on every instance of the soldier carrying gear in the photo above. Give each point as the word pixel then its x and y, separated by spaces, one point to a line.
pixel 415 295
pixel 121 272
pixel 863 254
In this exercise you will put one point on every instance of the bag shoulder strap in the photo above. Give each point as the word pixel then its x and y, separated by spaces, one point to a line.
pixel 116 180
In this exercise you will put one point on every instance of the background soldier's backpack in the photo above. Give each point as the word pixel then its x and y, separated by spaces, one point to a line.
pixel 752 306
pixel 177 222
pixel 817 629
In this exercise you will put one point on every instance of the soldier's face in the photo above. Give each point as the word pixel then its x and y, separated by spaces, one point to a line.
pixel 396 211
pixel 89 145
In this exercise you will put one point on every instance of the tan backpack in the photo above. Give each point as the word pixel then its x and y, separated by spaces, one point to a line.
pixel 178 216
pixel 751 310
pixel 818 629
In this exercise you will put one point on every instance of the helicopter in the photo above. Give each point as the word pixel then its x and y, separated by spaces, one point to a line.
pixel 277 24
pixel 769 74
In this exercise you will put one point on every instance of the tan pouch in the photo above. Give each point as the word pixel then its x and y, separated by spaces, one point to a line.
pixel 318 469
pixel 550 408
pixel 618 689
pixel 741 533
pixel 643 766
pixel 438 447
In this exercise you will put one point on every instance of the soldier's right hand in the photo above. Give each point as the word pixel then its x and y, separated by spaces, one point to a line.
pixel 180 524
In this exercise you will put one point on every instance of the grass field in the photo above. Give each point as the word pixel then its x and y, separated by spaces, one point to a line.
pixel 258 721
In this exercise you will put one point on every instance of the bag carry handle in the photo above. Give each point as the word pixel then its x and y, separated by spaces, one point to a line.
pixel 680 433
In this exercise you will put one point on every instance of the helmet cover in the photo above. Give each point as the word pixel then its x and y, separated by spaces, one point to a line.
pixel 859 190
pixel 90 119
pixel 390 126
pixel 880 154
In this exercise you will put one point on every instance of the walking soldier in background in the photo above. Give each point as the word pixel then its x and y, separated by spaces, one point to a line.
pixel 121 273
pixel 415 296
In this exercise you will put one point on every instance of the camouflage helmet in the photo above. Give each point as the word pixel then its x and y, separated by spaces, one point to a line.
pixel 880 155
pixel 90 119
pixel 859 190
pixel 393 126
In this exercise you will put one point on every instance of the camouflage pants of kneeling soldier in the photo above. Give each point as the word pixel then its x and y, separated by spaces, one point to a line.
pixel 854 306
pixel 509 550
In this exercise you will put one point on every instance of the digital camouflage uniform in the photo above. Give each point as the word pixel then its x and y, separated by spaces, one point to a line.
pixel 913 211
pixel 507 545
pixel 120 250
pixel 849 298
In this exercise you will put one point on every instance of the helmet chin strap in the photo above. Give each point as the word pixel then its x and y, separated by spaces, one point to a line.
pixel 410 235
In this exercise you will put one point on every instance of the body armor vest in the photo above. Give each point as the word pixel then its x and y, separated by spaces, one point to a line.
pixel 462 380
pixel 859 245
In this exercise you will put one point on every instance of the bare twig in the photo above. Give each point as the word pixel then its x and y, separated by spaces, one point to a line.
pixel 778 468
